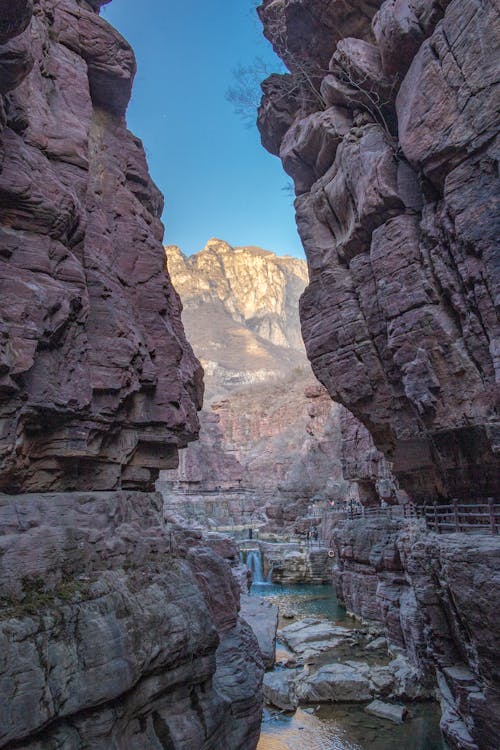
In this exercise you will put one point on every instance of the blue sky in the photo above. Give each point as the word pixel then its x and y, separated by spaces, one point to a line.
pixel 217 179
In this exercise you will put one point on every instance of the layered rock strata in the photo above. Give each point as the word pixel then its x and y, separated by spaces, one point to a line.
pixel 437 598
pixel 98 386
pixel 271 437
pixel 268 452
pixel 116 630
pixel 387 123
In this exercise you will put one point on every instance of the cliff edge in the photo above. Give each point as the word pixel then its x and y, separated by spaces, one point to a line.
pixel 388 123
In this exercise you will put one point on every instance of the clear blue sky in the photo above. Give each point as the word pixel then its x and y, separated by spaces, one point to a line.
pixel 217 179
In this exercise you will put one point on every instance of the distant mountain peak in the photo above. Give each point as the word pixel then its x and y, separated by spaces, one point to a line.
pixel 240 309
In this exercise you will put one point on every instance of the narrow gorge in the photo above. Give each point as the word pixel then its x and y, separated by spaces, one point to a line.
pixel 250 501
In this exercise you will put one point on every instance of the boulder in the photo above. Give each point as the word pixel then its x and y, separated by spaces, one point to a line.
pixel 338 683
pixel 313 636
pixel 279 689
pixel 262 616
pixel 389 711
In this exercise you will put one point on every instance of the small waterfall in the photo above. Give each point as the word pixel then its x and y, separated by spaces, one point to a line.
pixel 254 564
pixel 269 577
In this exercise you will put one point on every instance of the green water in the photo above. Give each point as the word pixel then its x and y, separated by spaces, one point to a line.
pixel 340 726
pixel 304 599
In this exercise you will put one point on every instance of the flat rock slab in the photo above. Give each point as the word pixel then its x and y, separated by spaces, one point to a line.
pixel 315 636
pixel 334 683
pixel 262 616
pixel 388 711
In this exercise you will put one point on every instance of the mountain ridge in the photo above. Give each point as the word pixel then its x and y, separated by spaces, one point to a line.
pixel 240 311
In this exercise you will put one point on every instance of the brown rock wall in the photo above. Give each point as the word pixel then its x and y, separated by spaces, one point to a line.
pixel 437 597
pixel 399 221
pixel 112 636
pixel 114 625
pixel 98 386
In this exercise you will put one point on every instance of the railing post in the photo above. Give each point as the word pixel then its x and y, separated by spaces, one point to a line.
pixel 493 520
pixel 455 515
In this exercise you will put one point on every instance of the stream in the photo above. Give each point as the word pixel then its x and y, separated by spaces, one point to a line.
pixel 340 726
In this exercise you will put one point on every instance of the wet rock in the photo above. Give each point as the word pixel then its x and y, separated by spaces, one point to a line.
pixel 262 617
pixel 293 564
pixel 389 711
pixel 279 689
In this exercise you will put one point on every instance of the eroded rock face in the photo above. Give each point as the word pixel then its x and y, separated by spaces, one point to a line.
pixel 240 309
pixel 117 631
pixel 98 386
pixel 271 436
pixel 397 208
pixel 436 597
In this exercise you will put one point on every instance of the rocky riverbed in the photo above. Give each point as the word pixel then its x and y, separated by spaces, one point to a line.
pixel 335 684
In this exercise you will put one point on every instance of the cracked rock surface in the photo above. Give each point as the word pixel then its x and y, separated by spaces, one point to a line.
pixel 392 145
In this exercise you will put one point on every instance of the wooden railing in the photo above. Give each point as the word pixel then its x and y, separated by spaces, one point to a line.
pixel 466 517
pixel 456 516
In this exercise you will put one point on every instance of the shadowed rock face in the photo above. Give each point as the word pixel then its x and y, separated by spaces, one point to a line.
pixel 119 632
pixel 116 631
pixel 98 386
pixel 437 597
pixel 397 208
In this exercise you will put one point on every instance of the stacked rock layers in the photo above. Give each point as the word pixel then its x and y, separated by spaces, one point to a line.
pixel 392 146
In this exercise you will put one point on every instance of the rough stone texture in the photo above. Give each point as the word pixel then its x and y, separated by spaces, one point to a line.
pixel 266 451
pixel 437 597
pixel 290 563
pixel 98 386
pixel 313 636
pixel 333 683
pixel 397 209
pixel 118 631
pixel 279 689
pixel 262 616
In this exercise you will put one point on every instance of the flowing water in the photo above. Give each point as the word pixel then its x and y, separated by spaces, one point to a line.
pixel 254 564
pixel 339 726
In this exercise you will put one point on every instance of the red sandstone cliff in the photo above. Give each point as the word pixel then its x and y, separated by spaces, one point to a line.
pixel 112 624
pixel 388 124
pixel 391 142
pixel 98 385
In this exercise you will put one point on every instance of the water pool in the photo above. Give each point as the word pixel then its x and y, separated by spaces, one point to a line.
pixel 340 726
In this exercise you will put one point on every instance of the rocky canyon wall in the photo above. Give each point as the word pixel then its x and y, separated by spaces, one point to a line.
pixel 388 122
pixel 437 597
pixel 116 630
pixel 98 384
